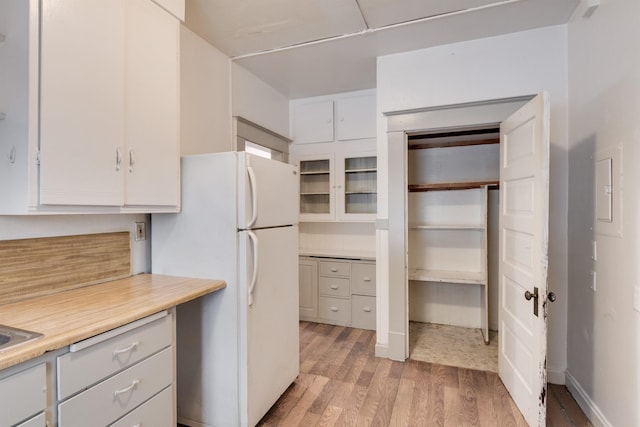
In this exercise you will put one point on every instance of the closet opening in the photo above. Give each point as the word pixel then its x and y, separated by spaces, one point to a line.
pixel 452 246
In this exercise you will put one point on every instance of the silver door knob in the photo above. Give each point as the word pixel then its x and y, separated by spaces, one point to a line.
pixel 551 296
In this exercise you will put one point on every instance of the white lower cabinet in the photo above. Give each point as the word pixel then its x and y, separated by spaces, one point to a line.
pixel 120 375
pixel 116 396
pixel 345 293
pixel 308 284
pixel 156 412
pixel 24 394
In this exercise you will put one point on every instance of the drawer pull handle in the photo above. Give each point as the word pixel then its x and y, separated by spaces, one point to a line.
pixel 334 309
pixel 367 309
pixel 367 279
pixel 334 270
pixel 334 287
pixel 127 389
pixel 127 349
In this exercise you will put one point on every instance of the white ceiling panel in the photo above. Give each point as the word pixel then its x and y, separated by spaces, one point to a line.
pixel 381 13
pixel 349 63
pixel 239 27
pixel 305 48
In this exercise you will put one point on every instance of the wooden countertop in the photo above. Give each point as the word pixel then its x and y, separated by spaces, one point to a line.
pixel 70 316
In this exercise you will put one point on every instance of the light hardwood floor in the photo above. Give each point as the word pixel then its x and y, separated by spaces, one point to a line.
pixel 342 383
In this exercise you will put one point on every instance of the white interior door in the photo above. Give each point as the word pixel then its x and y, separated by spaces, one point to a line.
pixel 524 201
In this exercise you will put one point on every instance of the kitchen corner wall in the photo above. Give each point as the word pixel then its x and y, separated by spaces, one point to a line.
pixel 258 102
pixel 213 89
pixel 205 96
pixel 603 354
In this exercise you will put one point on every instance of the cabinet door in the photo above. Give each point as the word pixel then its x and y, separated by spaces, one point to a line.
pixel 313 122
pixel 356 117
pixel 82 102
pixel 356 196
pixel 317 191
pixel 23 394
pixel 308 283
pixel 152 157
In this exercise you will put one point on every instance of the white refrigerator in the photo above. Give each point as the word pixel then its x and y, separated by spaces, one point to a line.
pixel 238 348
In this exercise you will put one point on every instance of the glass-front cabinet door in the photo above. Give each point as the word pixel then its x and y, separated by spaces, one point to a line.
pixel 338 187
pixel 316 188
pixel 359 196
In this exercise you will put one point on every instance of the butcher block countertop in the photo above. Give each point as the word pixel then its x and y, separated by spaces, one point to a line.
pixel 69 316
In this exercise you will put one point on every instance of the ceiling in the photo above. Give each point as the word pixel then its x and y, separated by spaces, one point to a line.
pixel 305 48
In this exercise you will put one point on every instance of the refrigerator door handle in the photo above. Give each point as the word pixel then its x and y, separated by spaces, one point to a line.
pixel 254 278
pixel 254 197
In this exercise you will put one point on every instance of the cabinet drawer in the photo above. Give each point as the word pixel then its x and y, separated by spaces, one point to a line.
pixel 114 397
pixel 24 393
pixel 334 286
pixel 363 312
pixel 157 412
pixel 363 278
pixel 335 309
pixel 81 369
pixel 37 421
pixel 335 268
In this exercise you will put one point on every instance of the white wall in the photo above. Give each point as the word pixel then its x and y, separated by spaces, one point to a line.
pixel 603 354
pixel 258 102
pixel 518 64
pixel 205 96
pixel 25 227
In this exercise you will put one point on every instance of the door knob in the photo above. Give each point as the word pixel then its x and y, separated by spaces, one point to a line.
pixel 528 295
pixel 551 296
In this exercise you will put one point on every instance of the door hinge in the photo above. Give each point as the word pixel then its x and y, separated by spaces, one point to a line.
pixel 38 157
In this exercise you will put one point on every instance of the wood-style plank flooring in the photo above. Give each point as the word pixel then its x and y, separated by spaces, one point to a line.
pixel 342 383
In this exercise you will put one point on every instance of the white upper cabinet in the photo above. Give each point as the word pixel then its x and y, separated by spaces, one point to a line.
pixel 95 126
pixel 152 160
pixel 342 191
pixel 82 108
pixel 313 122
pixel 339 118
pixel 356 117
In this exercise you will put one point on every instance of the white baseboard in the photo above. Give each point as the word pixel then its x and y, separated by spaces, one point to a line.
pixel 585 402
pixel 382 350
pixel 555 376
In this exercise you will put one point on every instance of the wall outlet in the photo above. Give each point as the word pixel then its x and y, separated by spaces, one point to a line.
pixel 636 298
pixel 141 231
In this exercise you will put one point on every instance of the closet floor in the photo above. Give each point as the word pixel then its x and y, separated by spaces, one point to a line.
pixel 453 346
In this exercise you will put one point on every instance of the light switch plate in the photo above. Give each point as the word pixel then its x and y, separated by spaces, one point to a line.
pixel 141 231
pixel 636 298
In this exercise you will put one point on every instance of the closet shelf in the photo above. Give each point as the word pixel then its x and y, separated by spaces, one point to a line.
pixel 441 186
pixel 462 277
pixel 361 170
pixel 314 173
pixel 447 227
pixel 316 193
